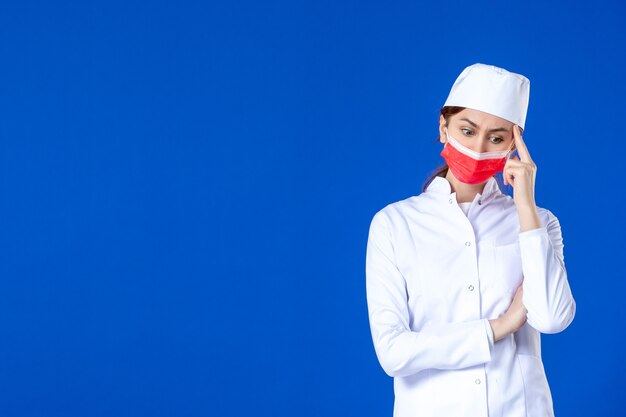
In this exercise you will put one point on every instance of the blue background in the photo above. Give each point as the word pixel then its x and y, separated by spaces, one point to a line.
pixel 186 190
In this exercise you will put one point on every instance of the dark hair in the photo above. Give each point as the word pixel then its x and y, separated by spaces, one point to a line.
pixel 441 171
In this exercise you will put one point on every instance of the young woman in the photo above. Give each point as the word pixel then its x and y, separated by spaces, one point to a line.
pixel 462 279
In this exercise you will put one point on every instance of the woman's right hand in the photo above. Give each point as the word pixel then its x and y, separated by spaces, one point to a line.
pixel 513 319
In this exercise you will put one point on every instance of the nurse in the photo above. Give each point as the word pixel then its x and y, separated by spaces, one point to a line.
pixel 462 279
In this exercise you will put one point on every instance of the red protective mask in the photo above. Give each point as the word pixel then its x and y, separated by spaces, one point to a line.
pixel 469 166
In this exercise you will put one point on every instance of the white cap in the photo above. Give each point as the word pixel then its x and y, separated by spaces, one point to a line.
pixel 493 90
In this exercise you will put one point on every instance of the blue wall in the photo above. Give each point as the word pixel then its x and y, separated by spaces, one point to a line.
pixel 186 190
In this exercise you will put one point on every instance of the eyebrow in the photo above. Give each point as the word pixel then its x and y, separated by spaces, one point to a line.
pixel 498 129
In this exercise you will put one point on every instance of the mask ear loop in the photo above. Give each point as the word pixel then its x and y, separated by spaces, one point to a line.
pixel 510 150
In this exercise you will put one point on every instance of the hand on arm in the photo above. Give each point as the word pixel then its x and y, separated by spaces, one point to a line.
pixel 512 320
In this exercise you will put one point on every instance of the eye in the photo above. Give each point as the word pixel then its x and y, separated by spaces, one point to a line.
pixel 466 130
pixel 496 139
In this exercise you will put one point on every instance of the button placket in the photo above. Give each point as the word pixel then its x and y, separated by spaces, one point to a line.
pixel 472 285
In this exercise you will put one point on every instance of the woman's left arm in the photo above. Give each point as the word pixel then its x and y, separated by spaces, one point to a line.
pixel 547 295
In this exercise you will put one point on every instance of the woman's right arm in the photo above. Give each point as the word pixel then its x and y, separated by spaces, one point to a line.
pixel 400 350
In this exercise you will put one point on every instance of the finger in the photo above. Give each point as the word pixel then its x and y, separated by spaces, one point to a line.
pixel 511 182
pixel 515 163
pixel 513 168
pixel 507 175
pixel 520 145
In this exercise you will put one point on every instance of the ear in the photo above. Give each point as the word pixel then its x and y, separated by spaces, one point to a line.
pixel 442 132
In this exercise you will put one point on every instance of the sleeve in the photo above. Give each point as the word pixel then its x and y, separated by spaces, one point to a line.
pixel 547 295
pixel 400 350
pixel 490 335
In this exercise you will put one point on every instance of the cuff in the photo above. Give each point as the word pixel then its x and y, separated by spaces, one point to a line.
pixel 490 335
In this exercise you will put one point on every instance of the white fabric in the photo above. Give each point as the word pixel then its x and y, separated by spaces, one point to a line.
pixel 434 279
pixel 465 207
pixel 479 156
pixel 492 90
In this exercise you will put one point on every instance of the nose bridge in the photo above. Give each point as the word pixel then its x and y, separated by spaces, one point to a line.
pixel 484 143
pixel 479 143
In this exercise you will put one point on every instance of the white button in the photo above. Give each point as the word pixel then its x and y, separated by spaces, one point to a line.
pixel 471 288
pixel 450 201
pixel 477 381
pixel 480 201
pixel 467 243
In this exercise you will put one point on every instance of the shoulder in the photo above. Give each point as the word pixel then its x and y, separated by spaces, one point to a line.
pixel 398 210
pixel 544 213
pixel 547 217
pixel 397 218
pixel 550 221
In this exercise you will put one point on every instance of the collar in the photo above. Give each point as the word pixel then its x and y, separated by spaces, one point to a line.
pixel 441 185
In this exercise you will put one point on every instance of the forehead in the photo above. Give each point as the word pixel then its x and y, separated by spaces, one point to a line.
pixel 482 119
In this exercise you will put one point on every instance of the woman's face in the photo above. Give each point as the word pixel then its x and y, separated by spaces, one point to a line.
pixel 479 131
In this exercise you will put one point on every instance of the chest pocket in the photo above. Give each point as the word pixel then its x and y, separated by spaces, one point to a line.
pixel 507 263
